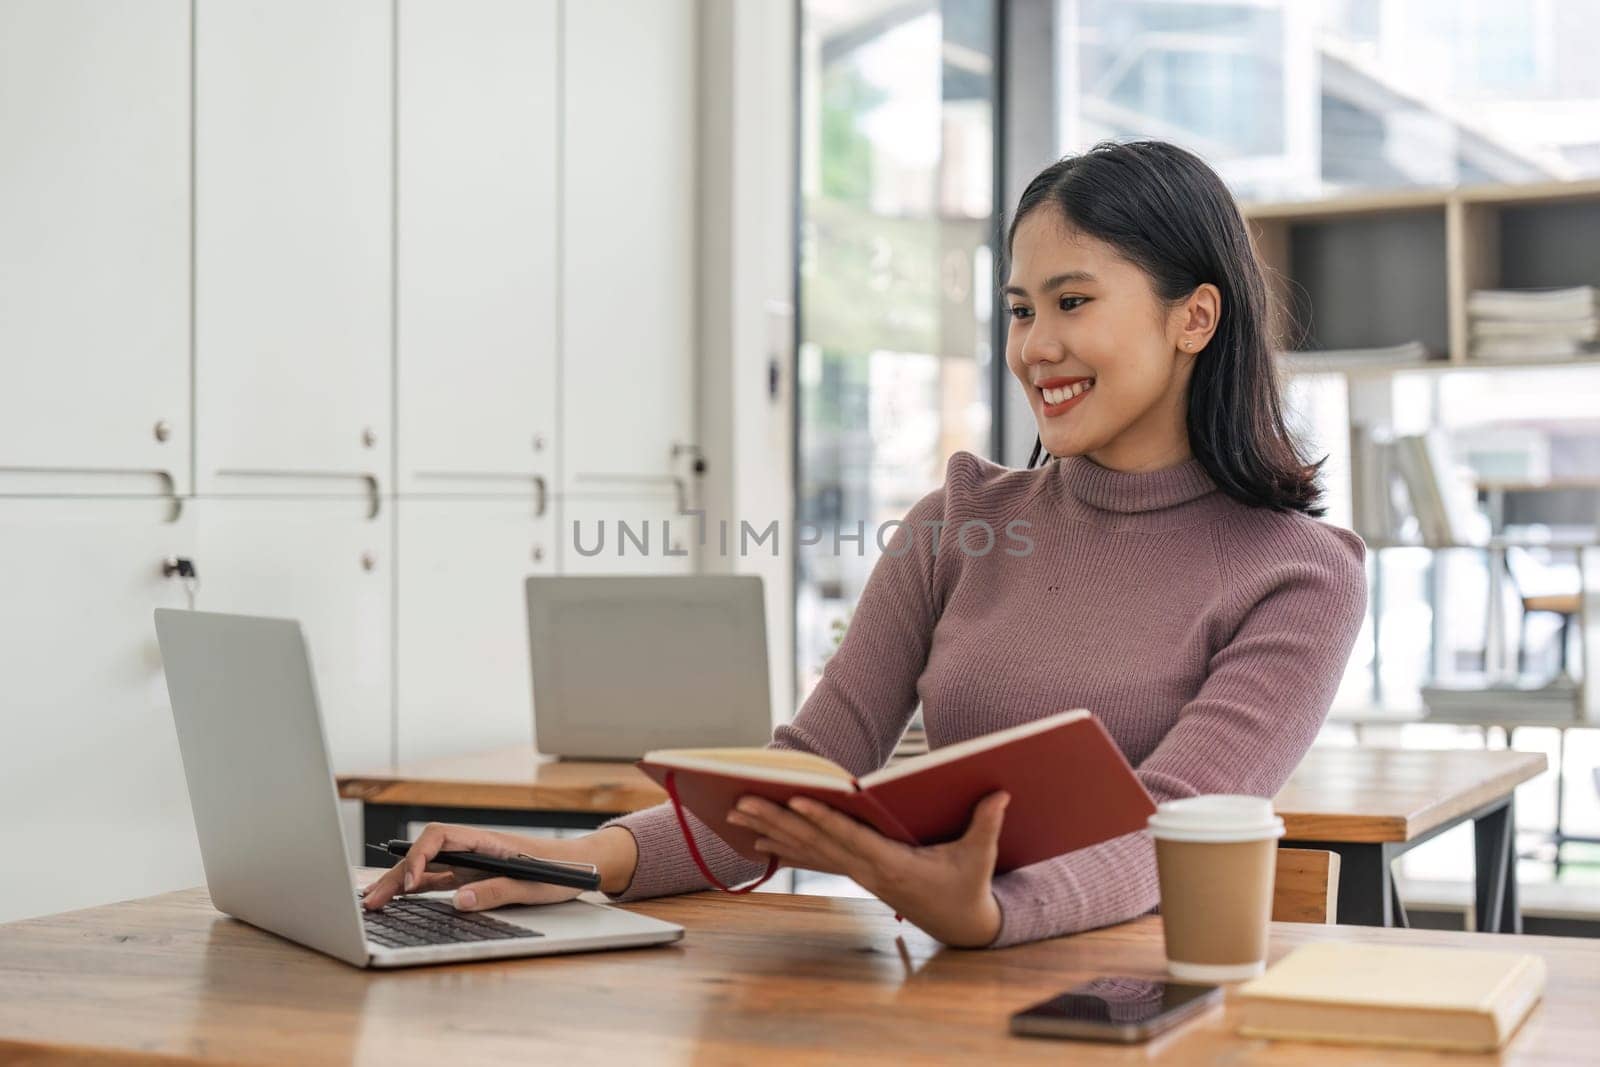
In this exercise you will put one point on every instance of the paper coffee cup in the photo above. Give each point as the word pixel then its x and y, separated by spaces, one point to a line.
pixel 1216 856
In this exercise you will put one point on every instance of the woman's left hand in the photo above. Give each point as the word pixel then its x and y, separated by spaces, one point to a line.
pixel 944 889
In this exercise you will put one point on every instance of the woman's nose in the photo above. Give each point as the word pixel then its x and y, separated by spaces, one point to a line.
pixel 1038 348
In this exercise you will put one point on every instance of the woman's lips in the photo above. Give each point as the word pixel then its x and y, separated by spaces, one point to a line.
pixel 1052 410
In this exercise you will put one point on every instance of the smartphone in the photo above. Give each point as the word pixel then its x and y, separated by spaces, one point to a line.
pixel 1116 1008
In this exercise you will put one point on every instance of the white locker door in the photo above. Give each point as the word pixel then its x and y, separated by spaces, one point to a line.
pixel 637 535
pixel 293 184
pixel 462 668
pixel 327 564
pixel 91 783
pixel 476 211
pixel 94 240
pixel 628 242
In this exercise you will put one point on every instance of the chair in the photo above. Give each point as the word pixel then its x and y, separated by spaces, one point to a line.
pixel 1566 607
pixel 1307 886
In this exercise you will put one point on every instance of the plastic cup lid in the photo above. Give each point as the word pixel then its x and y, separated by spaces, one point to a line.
pixel 1216 817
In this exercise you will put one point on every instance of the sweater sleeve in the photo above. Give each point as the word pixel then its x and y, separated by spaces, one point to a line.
pixel 854 715
pixel 1265 696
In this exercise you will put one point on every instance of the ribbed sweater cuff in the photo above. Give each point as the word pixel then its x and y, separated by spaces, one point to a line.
pixel 665 866
pixel 1023 909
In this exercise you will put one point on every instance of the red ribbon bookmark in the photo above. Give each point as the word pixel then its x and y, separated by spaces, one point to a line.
pixel 699 861
pixel 694 850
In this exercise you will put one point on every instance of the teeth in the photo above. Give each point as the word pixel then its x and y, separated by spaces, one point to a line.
pixel 1056 396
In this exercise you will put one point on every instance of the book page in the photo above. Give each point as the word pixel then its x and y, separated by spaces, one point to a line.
pixel 962 749
pixel 776 763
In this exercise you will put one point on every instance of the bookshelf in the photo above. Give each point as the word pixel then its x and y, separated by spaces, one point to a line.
pixel 1375 270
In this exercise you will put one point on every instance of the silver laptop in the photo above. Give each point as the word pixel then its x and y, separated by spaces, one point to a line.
pixel 265 809
pixel 626 664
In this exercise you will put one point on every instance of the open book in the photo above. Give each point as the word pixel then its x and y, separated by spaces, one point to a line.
pixel 1070 787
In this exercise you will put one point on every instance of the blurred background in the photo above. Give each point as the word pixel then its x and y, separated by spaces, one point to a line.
pixel 1393 158
pixel 351 310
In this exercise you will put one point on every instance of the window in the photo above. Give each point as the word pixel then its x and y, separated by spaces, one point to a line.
pixel 896 277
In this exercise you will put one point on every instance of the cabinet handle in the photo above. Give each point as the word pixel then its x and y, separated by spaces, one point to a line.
pixel 541 488
pixel 367 479
pixel 684 488
pixel 25 480
pixel 680 485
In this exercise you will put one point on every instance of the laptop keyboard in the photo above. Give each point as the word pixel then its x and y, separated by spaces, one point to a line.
pixel 407 923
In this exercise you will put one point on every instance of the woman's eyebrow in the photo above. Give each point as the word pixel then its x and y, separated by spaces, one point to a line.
pixel 1053 282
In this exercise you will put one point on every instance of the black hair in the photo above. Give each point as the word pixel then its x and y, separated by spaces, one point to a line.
pixel 1165 211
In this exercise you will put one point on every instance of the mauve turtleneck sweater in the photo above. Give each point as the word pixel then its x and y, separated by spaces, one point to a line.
pixel 1207 635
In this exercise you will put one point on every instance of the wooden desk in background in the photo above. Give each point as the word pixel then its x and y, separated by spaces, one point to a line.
pixel 1368 805
pixel 768 979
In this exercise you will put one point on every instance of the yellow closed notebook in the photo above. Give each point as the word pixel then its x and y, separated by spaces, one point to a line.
pixel 1414 996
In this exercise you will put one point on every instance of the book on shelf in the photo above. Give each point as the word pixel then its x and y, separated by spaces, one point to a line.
pixel 1339 358
pixel 1530 348
pixel 1070 787
pixel 1374 514
pixel 1468 1000
pixel 1442 494
pixel 1504 701
pixel 1581 329
pixel 1573 302
pixel 914 742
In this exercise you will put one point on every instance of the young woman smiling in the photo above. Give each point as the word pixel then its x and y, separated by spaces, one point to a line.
pixel 1178 585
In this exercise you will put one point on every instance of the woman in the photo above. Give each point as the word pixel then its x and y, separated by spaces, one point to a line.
pixel 1176 585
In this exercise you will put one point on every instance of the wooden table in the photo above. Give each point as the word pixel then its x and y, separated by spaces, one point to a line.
pixel 768 979
pixel 1369 805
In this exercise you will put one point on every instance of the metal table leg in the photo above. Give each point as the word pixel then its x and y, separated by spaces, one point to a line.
pixel 1494 840
pixel 380 823
pixel 1367 894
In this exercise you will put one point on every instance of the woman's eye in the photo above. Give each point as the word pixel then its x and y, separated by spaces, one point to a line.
pixel 1018 311
pixel 1078 300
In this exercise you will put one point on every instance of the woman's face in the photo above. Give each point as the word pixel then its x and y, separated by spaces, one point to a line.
pixel 1104 365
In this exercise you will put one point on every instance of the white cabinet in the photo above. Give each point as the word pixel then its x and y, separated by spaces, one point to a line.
pixel 94 241
pixel 327 563
pixel 462 674
pixel 476 257
pixel 637 535
pixel 628 239
pixel 91 782
pixel 293 198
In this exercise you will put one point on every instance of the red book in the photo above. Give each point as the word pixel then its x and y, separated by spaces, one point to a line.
pixel 1070 787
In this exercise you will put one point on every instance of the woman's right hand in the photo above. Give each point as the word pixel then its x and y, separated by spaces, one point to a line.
pixel 479 890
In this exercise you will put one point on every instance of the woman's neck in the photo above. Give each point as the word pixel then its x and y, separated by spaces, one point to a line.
pixel 1141 460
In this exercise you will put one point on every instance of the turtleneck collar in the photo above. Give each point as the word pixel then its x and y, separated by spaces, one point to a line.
pixel 1136 493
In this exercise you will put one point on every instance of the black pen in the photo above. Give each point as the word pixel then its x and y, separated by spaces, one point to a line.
pixel 527 868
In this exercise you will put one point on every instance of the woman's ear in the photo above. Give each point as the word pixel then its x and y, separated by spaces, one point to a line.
pixel 1198 318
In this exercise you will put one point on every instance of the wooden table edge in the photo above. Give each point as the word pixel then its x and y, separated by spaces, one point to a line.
pixel 601 798
pixel 1396 829
pixel 1503 784
pixel 625 795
